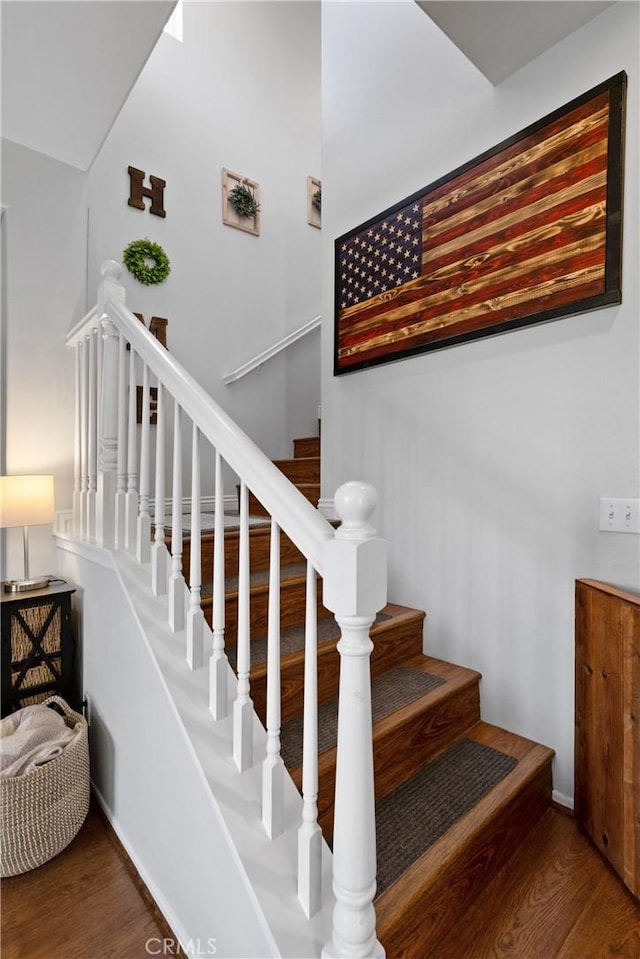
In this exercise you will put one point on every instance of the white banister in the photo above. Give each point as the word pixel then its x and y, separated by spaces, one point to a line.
pixel 195 618
pixel 108 420
pixel 77 446
pixel 159 550
pixel 351 562
pixel 121 458
pixel 176 581
pixel 92 441
pixel 218 664
pixel 273 767
pixel 296 516
pixel 143 531
pixel 243 706
pixel 309 833
pixel 271 351
pixel 83 345
pixel 355 590
pixel 131 498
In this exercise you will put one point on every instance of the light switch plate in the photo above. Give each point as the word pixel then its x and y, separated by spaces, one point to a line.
pixel 618 515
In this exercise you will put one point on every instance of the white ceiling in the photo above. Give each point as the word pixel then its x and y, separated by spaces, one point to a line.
pixel 68 67
pixel 500 36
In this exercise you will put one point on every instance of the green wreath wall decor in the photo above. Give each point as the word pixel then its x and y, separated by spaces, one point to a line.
pixel 243 201
pixel 136 257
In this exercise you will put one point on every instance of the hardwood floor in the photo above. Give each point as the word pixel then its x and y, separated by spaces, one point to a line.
pixel 556 899
pixel 83 904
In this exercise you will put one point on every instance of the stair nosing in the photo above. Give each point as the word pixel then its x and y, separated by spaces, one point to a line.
pixel 387 725
pixel 466 830
pixel 326 646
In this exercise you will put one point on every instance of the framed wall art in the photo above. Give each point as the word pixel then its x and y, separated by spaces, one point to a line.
pixel 314 202
pixel 529 231
pixel 240 202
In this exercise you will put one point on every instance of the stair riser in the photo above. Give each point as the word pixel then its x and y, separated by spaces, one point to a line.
pixel 259 553
pixel 292 608
pixel 312 493
pixel 411 929
pixel 300 470
pixel 397 755
pixel 307 446
pixel 391 647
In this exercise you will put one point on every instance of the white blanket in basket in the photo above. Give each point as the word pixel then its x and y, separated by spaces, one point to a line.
pixel 30 737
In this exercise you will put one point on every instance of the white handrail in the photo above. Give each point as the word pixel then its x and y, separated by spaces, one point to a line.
pixel 282 344
pixel 292 511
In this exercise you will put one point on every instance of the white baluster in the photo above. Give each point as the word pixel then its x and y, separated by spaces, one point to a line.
pixel 354 589
pixel 84 442
pixel 131 499
pixel 243 705
pixel 273 767
pixel 143 532
pixel 195 617
pixel 108 420
pixel 309 833
pixel 77 446
pixel 218 663
pixel 176 581
pixel 159 550
pixel 121 467
pixel 92 447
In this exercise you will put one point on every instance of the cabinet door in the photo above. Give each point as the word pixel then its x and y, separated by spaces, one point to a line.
pixel 36 653
pixel 607 744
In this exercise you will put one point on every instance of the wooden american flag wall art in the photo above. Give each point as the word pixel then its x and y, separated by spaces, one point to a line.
pixel 529 231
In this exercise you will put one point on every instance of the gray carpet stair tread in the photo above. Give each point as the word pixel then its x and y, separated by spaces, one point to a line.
pixel 416 814
pixel 259 578
pixel 389 692
pixel 292 640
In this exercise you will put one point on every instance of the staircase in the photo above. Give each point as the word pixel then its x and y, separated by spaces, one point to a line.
pixel 454 795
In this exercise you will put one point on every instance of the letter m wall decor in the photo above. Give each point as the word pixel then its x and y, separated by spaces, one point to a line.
pixel 529 231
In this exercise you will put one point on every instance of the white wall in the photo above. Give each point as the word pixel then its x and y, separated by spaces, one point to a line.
pixel 242 92
pixel 489 457
pixel 45 225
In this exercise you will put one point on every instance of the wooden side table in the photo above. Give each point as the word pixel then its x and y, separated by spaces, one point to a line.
pixel 36 646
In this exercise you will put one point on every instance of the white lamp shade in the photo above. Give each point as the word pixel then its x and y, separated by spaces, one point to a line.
pixel 26 500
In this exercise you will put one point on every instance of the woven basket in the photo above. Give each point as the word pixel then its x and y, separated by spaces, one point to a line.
pixel 42 811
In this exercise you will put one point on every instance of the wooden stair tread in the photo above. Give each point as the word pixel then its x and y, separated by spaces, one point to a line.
pixel 452 679
pixel 444 879
pixel 416 734
pixel 292 638
pixel 259 579
pixel 310 491
pixel 389 618
pixel 531 757
pixel 300 469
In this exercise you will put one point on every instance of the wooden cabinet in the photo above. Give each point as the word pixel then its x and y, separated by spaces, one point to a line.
pixel 36 646
pixel 607 720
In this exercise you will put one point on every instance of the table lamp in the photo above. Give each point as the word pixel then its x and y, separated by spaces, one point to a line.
pixel 26 501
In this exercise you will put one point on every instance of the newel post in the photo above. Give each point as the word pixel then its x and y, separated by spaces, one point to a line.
pixel 109 289
pixel 354 589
